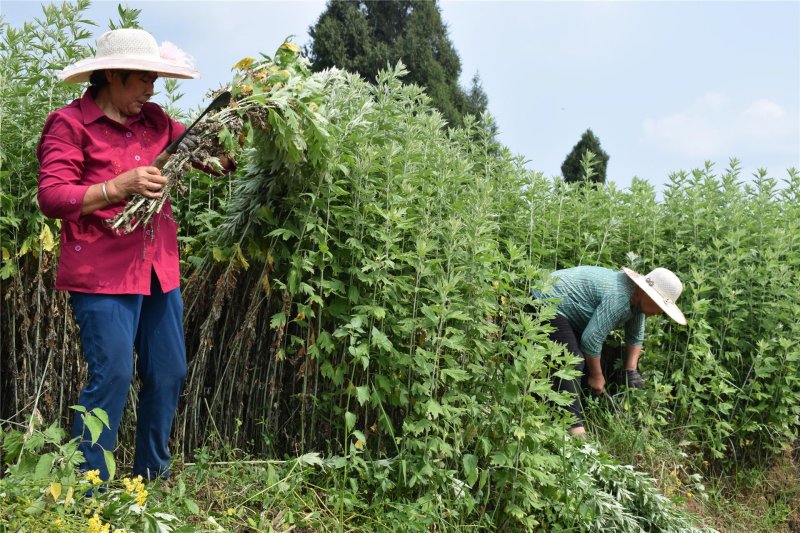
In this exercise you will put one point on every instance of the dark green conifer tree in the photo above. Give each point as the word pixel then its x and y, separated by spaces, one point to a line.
pixel 366 36
pixel 573 169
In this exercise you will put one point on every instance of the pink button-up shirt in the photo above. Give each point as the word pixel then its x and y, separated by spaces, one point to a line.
pixel 81 146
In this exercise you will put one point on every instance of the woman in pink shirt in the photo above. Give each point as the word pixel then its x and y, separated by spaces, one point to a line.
pixel 124 288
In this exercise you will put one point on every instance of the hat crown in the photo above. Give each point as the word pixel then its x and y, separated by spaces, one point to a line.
pixel 127 42
pixel 665 283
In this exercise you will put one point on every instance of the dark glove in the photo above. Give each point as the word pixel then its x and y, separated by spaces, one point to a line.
pixel 188 143
pixel 632 379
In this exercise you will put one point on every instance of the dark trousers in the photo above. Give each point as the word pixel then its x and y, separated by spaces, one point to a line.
pixel 110 326
pixel 564 334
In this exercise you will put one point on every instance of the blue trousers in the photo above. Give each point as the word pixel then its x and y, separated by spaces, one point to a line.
pixel 111 325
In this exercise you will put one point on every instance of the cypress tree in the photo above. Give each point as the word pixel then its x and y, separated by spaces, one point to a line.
pixel 366 36
pixel 573 167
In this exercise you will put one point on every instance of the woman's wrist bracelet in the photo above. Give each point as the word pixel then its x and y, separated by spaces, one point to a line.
pixel 105 192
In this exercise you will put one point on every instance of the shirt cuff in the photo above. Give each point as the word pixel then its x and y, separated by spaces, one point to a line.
pixel 64 203
pixel 590 352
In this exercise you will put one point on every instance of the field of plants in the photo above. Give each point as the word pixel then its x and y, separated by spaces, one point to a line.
pixel 360 354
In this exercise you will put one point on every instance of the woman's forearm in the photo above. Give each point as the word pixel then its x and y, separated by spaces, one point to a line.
pixel 593 365
pixel 95 199
pixel 632 358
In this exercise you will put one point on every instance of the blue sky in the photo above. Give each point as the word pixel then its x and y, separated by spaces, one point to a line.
pixel 664 85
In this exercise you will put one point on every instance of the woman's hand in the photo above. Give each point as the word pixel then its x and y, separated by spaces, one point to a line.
pixel 146 181
pixel 597 384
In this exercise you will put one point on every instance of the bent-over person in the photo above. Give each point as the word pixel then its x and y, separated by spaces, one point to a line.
pixel 593 301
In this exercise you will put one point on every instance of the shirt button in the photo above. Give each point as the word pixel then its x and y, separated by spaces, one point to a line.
pixel 137 158
pixel 129 135
pixel 73 201
pixel 78 248
pixel 148 232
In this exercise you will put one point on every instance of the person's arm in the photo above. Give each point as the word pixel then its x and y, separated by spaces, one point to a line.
pixel 634 337
pixel 61 163
pixel 597 380
pixel 605 317
pixel 632 357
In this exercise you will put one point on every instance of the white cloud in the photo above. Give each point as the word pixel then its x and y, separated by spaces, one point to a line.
pixel 764 109
pixel 716 100
pixel 716 125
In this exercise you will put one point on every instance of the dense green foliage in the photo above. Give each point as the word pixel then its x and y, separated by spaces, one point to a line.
pixel 355 308
pixel 27 93
pixel 587 162
pixel 367 36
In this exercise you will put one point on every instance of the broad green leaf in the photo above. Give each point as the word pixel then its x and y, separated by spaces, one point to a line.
pixel 277 320
pixel 349 421
pixel 362 394
pixel 94 425
pixel 111 465
pixel 433 408
pixel 191 506
pixel 102 415
pixel 470 463
pixel 312 458
pixel 43 466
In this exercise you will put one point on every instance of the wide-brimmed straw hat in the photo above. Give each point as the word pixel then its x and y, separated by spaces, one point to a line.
pixel 132 49
pixel 663 287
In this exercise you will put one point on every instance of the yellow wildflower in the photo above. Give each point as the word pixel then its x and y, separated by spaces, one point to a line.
pixel 93 476
pixel 313 107
pixel 244 63
pixel 141 497
pixel 230 511
pixel 291 47
pixel 133 485
pixel 96 525
pixel 58 522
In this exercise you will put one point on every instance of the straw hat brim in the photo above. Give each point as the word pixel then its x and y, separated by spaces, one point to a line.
pixel 82 70
pixel 666 305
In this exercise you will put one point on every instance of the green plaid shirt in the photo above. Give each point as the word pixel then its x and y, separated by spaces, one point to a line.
pixel 595 300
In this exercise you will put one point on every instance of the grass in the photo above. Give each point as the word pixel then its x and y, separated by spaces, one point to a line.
pixel 765 500
pixel 760 498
